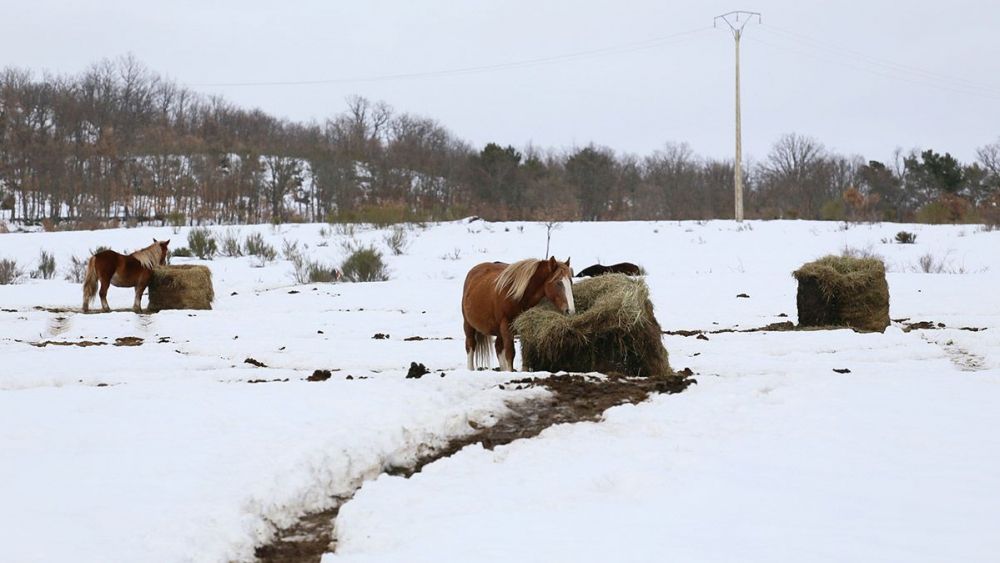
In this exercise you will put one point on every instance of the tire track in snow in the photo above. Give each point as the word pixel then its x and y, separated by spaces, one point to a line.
pixel 575 398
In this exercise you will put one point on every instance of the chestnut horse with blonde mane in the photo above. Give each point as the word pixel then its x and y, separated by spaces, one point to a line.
pixel 496 293
pixel 119 270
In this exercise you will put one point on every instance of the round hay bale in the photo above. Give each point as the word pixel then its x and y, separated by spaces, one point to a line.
pixel 181 287
pixel 843 291
pixel 612 331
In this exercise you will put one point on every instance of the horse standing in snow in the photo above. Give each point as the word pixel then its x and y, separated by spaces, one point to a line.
pixel 496 293
pixel 119 270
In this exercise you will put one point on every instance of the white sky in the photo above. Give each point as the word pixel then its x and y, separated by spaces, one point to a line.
pixel 632 101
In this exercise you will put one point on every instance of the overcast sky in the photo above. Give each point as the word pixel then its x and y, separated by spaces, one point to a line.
pixel 862 77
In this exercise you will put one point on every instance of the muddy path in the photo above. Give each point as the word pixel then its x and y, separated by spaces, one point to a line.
pixel 575 398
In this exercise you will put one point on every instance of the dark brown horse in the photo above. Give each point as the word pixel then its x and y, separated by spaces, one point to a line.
pixel 627 268
pixel 111 268
pixel 496 293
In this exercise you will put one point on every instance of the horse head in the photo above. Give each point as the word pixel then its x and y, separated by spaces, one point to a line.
pixel 164 252
pixel 559 284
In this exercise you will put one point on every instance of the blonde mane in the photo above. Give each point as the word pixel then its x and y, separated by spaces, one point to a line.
pixel 150 256
pixel 513 280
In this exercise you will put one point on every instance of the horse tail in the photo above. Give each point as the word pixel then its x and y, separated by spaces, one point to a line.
pixel 482 354
pixel 89 283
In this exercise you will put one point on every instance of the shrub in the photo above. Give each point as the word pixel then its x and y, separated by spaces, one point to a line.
pixel 833 210
pixel 77 269
pixel 350 246
pixel 308 271
pixel 364 265
pixel 321 273
pixel 945 209
pixel 9 272
pixel 930 264
pixel 396 240
pixel 300 267
pixel 231 246
pixel 255 246
pixel 345 229
pixel 202 243
pixel 46 266
pixel 181 252
pixel 289 249
pixel 904 237
pixel 176 219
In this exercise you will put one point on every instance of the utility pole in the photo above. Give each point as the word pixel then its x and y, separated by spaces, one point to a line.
pixel 732 19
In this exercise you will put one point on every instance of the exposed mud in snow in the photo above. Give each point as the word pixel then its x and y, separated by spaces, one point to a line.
pixel 122 341
pixel 575 398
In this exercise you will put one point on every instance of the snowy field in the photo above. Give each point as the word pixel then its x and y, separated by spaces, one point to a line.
pixel 166 451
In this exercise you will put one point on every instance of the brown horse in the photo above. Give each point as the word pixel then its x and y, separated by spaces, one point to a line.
pixel 496 293
pixel 111 268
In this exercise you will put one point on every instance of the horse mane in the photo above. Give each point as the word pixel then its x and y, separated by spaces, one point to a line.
pixel 150 256
pixel 513 280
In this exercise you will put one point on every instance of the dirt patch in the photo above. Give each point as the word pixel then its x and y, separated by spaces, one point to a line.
pixel 931 325
pixel 320 375
pixel 255 363
pixel 380 336
pixel 575 398
pixel 790 326
pixel 773 327
pixel 80 343
pixel 128 341
pixel 417 371
pixel 421 338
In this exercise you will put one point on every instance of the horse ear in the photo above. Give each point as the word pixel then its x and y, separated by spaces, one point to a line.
pixel 553 261
pixel 567 260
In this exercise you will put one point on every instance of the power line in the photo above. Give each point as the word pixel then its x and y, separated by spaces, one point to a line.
pixel 879 61
pixel 857 60
pixel 565 57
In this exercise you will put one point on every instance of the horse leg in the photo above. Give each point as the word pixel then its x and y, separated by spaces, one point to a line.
pixel 137 305
pixel 105 283
pixel 507 337
pixel 498 344
pixel 470 343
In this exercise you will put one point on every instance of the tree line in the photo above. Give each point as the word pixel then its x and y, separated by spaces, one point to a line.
pixel 120 143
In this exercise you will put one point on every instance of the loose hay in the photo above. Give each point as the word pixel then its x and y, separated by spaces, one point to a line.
pixel 843 291
pixel 613 331
pixel 181 287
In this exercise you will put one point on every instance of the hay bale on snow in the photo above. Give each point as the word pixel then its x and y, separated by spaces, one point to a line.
pixel 613 331
pixel 181 287
pixel 843 291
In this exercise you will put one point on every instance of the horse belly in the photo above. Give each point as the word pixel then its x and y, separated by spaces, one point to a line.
pixel 118 281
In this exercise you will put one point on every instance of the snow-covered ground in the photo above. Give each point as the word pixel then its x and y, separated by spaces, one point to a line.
pixel 166 452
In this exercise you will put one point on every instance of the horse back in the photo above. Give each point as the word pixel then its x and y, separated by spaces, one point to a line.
pixel 627 268
pixel 483 277
pixel 124 270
